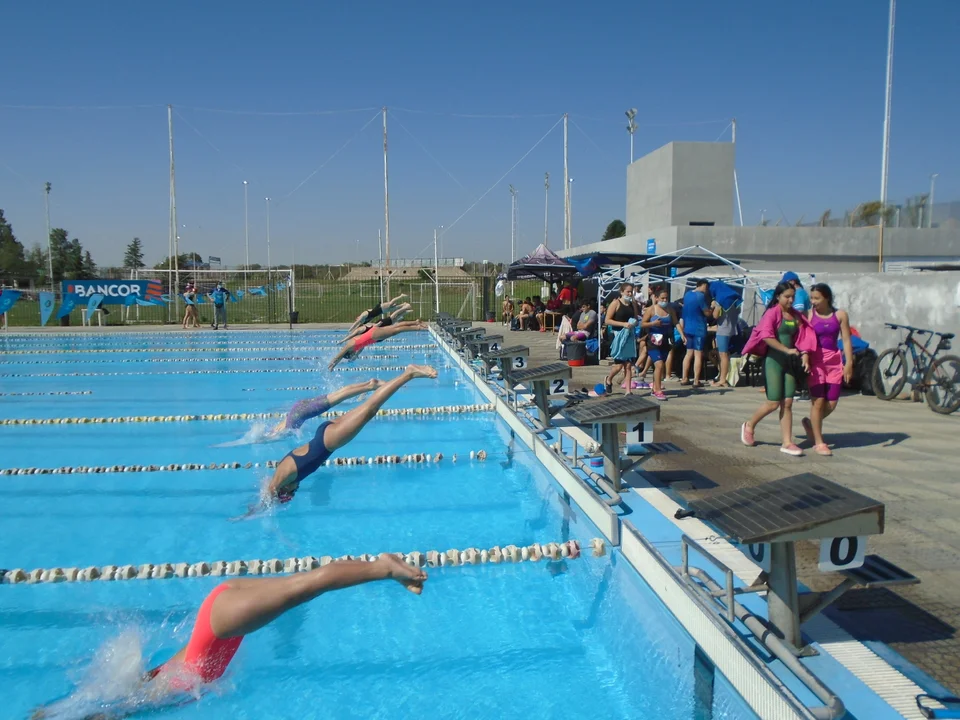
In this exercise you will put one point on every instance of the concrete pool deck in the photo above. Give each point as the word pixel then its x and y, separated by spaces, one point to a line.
pixel 898 452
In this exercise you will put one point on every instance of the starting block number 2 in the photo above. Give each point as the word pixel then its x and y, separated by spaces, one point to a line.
pixel 558 386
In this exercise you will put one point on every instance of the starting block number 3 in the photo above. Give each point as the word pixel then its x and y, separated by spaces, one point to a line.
pixel 519 363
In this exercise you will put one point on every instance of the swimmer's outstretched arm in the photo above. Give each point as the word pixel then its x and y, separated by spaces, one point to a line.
pixel 341 354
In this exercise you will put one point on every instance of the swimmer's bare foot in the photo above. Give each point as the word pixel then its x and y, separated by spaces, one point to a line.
pixel 421 371
pixel 421 325
pixel 412 578
pixel 374 383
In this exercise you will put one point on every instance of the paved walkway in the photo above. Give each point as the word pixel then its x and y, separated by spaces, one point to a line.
pixel 900 453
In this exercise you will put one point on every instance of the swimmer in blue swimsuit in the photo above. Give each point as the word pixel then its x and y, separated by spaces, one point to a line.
pixel 333 435
pixel 305 410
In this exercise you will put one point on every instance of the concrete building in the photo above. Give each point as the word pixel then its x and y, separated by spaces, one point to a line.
pixel 682 194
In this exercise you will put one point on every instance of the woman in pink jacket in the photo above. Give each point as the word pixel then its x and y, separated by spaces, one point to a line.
pixel 785 339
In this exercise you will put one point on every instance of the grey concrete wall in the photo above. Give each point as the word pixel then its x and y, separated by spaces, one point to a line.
pixel 702 183
pixel 927 300
pixel 649 190
pixel 634 244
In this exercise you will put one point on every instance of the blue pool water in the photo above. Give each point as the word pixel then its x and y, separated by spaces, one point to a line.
pixel 582 640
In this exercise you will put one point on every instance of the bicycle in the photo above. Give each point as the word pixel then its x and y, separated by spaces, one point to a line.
pixel 938 378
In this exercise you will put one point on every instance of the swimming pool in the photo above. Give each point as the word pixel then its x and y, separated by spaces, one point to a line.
pixel 582 638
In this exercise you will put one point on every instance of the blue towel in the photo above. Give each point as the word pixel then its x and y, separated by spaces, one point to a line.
pixel 624 345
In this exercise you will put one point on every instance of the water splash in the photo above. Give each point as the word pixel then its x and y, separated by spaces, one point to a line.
pixel 112 685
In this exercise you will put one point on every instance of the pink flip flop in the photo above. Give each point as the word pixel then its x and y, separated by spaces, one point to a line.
pixel 746 436
pixel 822 449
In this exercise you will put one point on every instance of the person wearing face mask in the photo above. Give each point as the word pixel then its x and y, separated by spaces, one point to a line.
pixel 622 317
pixel 659 321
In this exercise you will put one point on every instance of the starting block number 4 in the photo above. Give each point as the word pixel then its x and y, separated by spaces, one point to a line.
pixel 519 362
pixel 760 554
pixel 494 347
pixel 842 553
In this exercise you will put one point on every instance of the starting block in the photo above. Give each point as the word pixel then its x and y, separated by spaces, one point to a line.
pixel 544 381
pixel 605 415
pixel 515 357
pixel 484 344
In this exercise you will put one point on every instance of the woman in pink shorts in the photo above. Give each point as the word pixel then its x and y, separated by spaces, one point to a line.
pixel 827 369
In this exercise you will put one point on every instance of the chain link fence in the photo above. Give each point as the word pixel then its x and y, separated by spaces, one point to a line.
pixel 470 297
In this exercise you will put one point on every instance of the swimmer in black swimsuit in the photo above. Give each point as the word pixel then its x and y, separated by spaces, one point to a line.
pixel 333 435
pixel 382 308
pixel 385 321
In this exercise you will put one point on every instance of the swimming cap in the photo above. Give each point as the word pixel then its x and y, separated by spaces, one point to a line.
pixel 790 276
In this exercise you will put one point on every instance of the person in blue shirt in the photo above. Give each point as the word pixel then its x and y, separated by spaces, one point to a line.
pixel 219 297
pixel 693 330
pixel 801 300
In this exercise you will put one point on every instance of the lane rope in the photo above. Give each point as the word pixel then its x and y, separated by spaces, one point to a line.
pixel 383 412
pixel 59 392
pixel 311 369
pixel 552 552
pixel 181 350
pixel 191 360
pixel 408 459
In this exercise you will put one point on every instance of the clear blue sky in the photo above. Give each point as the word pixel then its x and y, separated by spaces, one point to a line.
pixel 805 81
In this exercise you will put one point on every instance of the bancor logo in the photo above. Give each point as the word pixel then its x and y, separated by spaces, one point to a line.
pixel 113 289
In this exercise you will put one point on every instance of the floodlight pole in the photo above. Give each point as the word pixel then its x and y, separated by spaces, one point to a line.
pixel 885 164
pixel 736 183
pixel 631 128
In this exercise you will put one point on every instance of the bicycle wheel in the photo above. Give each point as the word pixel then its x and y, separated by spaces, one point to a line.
pixel 943 385
pixel 890 373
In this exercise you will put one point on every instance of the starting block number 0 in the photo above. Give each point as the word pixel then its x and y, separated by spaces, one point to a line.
pixel 760 554
pixel 842 553
pixel 519 363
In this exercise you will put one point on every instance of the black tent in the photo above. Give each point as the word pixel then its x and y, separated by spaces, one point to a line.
pixel 542 264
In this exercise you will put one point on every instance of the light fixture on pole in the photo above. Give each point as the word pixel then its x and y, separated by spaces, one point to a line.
pixel 246 237
pixel 570 213
pixel 631 127
pixel 933 183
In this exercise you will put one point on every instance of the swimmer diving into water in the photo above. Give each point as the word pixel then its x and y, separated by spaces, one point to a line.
pixel 333 435
pixel 382 308
pixel 232 610
pixel 374 335
pixel 302 411
pixel 386 321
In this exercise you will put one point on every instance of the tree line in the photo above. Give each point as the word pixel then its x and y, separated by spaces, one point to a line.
pixel 68 258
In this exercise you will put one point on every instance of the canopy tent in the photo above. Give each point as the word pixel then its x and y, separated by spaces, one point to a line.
pixel 541 264
pixel 673 267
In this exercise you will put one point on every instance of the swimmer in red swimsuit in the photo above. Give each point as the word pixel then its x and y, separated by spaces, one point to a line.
pixel 232 610
pixel 374 335
pixel 385 321
pixel 333 435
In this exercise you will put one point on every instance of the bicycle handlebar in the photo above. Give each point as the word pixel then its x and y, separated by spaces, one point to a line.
pixel 919 331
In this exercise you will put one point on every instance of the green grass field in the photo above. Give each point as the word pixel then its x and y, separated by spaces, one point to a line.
pixel 316 302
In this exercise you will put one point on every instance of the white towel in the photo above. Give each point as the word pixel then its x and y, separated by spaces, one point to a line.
pixel 565 327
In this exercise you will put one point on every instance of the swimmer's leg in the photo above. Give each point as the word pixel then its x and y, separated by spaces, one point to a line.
pixel 250 603
pixel 342 430
pixel 382 333
pixel 306 409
